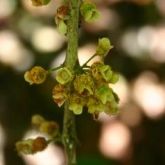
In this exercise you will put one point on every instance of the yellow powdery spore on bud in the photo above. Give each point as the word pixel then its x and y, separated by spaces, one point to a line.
pixel 59 94
pixel 89 11
pixel 64 75
pixel 31 146
pixel 104 46
pixel 84 84
pixel 37 75
pixel 40 2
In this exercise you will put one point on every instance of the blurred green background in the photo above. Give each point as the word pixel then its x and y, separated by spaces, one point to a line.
pixel 136 28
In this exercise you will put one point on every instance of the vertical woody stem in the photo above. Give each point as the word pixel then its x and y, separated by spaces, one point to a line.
pixel 69 130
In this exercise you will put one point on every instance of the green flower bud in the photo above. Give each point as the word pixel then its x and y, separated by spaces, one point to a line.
pixel 84 84
pixel 106 72
pixel 49 127
pixel 59 94
pixel 104 94
pixel 37 120
pixel 89 12
pixel 37 75
pixel 101 71
pixel 64 76
pixel 114 78
pixel 40 2
pixel 95 70
pixel 112 108
pixel 94 105
pixel 62 27
pixel 104 46
pixel 25 146
pixel 76 104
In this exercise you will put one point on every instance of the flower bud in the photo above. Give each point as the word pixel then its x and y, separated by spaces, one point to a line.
pixel 104 94
pixel 64 75
pixel 39 144
pixel 95 70
pixel 37 120
pixel 62 12
pixel 62 27
pixel 49 127
pixel 106 72
pixel 114 78
pixel 89 12
pixel 40 2
pixel 94 105
pixel 84 83
pixel 25 146
pixel 112 108
pixel 103 47
pixel 76 104
pixel 60 94
pixel 37 75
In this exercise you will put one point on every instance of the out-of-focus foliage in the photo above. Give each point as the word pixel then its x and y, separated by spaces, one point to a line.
pixel 29 36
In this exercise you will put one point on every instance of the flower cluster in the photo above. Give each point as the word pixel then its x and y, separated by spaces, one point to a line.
pixel 86 87
pixel 89 87
pixel 49 128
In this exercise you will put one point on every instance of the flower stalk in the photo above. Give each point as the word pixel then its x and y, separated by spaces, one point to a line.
pixel 69 130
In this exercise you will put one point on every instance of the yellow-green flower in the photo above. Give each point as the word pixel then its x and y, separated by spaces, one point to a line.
pixel 95 70
pixel 94 105
pixel 37 75
pixel 84 84
pixel 49 127
pixel 89 11
pixel 76 104
pixel 104 46
pixel 104 94
pixel 64 75
pixel 106 72
pixel 59 94
pixel 37 120
pixel 114 78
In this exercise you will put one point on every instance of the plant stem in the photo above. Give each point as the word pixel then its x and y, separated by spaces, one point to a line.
pixel 69 130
